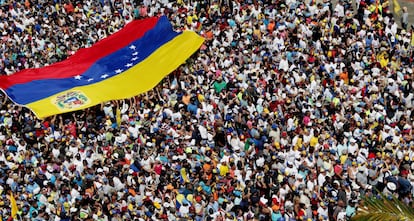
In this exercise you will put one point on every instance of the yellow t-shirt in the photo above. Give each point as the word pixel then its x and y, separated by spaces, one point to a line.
pixel 299 143
pixel 257 33
pixel 224 169
pixel 343 158
pixel 313 141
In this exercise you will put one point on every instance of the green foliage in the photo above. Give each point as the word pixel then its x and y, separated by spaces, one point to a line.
pixel 383 208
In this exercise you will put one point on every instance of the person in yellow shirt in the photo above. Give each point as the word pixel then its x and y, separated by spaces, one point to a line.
pixel 191 17
pixel 257 33
pixel 395 63
pixel 343 157
pixel 299 142
pixel 383 59
pixel 314 140
pixel 224 168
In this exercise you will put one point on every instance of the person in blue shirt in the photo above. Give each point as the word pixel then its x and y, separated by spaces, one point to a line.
pixel 405 186
pixel 32 187
pixel 350 209
pixel 192 107
pixel 33 211
pixel 276 215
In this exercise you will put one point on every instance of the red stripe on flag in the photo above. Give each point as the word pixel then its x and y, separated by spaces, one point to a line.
pixel 83 58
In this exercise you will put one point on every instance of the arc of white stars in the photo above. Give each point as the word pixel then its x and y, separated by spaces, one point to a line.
pixel 118 71
pixel 132 47
pixel 90 79
pixel 104 76
pixel 135 53
pixel 134 58
pixel 128 65
pixel 78 77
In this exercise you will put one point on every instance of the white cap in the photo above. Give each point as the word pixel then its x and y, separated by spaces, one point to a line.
pixel 391 186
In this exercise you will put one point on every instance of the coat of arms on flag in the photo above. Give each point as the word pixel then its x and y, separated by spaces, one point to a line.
pixel 71 100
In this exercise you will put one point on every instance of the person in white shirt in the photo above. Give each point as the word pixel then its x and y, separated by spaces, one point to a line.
pixel 340 9
pixel 133 130
pixel 353 147
pixel 323 209
pixel 321 177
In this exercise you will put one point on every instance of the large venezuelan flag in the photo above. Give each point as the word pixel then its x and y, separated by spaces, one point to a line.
pixel 125 64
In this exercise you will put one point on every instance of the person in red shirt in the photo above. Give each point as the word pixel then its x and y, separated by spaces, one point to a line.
pixel 68 6
pixel 69 126
pixel 157 167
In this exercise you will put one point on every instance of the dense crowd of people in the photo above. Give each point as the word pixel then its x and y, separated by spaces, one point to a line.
pixel 291 110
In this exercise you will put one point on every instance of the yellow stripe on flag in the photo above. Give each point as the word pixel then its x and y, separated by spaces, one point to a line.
pixel 138 79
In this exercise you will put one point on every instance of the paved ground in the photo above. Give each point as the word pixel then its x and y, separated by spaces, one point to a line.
pixel 407 3
pixel 410 5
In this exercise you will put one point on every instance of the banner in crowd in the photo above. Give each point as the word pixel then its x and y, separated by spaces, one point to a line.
pixel 397 7
pixel 127 63
pixel 13 206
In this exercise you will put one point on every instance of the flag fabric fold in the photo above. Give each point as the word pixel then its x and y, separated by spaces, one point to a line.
pixel 127 63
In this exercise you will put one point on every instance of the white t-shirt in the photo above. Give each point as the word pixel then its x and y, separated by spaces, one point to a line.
pixel 108 111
